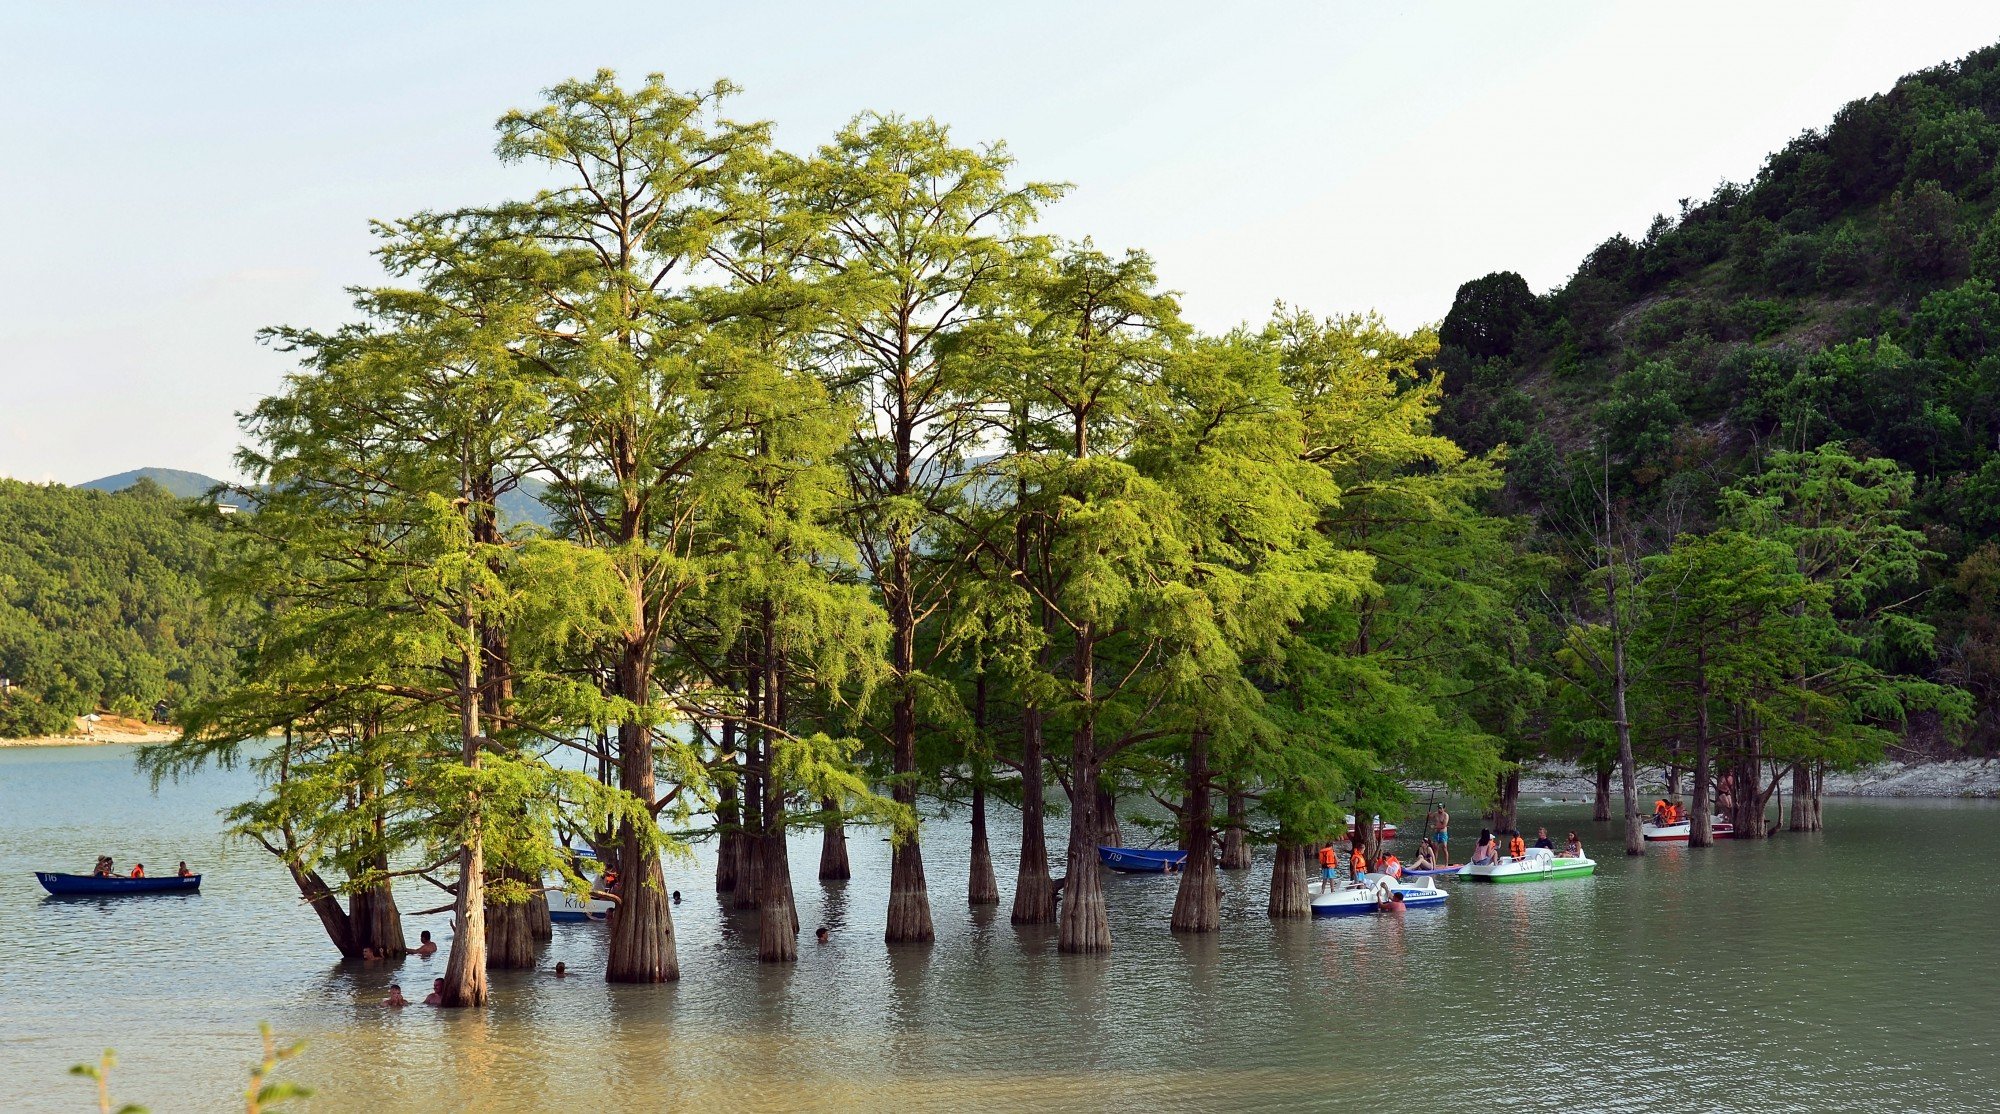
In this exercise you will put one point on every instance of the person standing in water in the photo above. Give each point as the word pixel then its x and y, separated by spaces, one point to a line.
pixel 1441 834
pixel 427 946
pixel 395 1000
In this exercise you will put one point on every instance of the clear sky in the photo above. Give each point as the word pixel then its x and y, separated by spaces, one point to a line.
pixel 179 174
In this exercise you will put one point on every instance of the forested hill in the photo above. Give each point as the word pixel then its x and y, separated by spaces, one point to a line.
pixel 183 485
pixel 102 605
pixel 1847 294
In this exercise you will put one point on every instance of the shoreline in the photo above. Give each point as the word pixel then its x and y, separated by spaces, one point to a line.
pixel 106 731
pixel 1965 778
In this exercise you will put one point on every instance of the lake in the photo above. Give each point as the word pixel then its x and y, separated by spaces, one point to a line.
pixel 1848 970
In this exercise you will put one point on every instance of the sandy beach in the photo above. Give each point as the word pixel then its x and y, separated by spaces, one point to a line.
pixel 107 729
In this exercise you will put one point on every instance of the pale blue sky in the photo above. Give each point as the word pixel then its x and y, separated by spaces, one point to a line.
pixel 178 174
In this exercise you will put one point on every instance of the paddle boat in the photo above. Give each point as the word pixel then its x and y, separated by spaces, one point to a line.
pixel 97 885
pixel 1678 833
pixel 1388 829
pixel 564 908
pixel 1142 860
pixel 1350 899
pixel 1539 865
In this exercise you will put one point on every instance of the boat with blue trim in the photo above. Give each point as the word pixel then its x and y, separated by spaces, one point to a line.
pixel 1142 860
pixel 100 885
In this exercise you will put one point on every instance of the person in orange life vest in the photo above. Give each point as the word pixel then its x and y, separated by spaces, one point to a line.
pixel 1517 847
pixel 1391 866
pixel 1357 863
pixel 1329 863
pixel 1661 812
pixel 138 870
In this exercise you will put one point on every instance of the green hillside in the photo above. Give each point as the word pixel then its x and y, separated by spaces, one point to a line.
pixel 1846 294
pixel 102 604
pixel 179 484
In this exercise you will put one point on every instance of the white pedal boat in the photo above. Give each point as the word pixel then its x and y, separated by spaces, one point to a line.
pixel 1678 833
pixel 1347 899
pixel 1539 865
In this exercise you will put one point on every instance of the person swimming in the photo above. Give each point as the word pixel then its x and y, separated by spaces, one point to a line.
pixel 426 945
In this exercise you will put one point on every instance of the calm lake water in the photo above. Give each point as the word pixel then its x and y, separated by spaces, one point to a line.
pixel 1852 970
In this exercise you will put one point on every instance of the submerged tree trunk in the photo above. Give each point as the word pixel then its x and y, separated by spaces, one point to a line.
pixel 510 937
pixel 374 920
pixel 1085 925
pixel 465 967
pixel 1600 808
pixel 1236 838
pixel 1034 890
pixel 1289 897
pixel 833 844
pixel 1801 817
pixel 642 925
pixel 981 888
pixel 1109 834
pixel 909 920
pixel 1198 904
pixel 1818 817
pixel 728 814
pixel 1700 827
pixel 777 913
pixel 1506 800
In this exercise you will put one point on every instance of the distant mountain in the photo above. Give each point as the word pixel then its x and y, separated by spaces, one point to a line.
pixel 182 485
pixel 523 504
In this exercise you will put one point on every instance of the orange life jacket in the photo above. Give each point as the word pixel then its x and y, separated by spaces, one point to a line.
pixel 138 872
pixel 1358 862
pixel 1328 857
pixel 1516 847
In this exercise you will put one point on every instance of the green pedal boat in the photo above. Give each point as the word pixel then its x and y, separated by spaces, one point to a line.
pixel 1539 865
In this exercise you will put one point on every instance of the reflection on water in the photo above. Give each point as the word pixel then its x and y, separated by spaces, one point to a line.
pixel 1826 971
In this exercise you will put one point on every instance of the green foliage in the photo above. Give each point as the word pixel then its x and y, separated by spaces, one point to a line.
pixel 101 603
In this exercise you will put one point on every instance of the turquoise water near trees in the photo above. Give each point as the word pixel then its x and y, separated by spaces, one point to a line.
pixel 1849 969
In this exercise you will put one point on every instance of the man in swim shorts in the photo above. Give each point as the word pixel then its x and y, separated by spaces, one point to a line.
pixel 1441 834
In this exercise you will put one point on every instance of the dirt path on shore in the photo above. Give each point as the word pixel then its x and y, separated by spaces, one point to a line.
pixel 103 728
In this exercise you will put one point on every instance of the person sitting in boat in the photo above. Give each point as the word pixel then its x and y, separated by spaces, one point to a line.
pixel 103 867
pixel 1390 865
pixel 1516 846
pixel 1426 858
pixel 184 872
pixel 1660 813
pixel 1573 849
pixel 1543 841
pixel 1483 851
pixel 138 870
pixel 1329 864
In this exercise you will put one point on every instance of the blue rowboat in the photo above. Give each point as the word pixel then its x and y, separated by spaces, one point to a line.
pixel 1141 860
pixel 90 885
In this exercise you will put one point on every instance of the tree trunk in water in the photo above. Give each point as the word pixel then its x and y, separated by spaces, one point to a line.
pixel 1034 890
pixel 1673 780
pixel 778 916
pixel 510 937
pixel 1198 904
pixel 1600 808
pixel 541 927
pixel 1236 839
pixel 335 920
pixel 374 921
pixel 1108 832
pixel 1818 818
pixel 1289 897
pixel 1085 926
pixel 1748 814
pixel 750 848
pixel 465 967
pixel 981 888
pixel 1700 811
pixel 729 814
pixel 909 894
pixel 642 924
pixel 833 844
pixel 1507 800
pixel 1801 817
